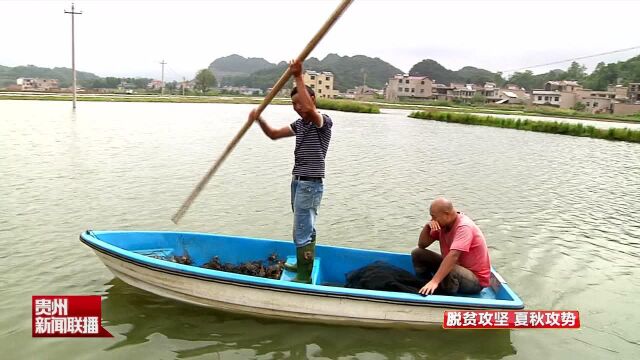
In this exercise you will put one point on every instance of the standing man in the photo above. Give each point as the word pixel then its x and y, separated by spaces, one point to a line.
pixel 313 134
pixel 463 264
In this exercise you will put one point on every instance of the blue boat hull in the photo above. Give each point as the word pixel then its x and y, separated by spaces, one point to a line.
pixel 138 259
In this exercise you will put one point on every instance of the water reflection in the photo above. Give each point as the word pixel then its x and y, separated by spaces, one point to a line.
pixel 211 331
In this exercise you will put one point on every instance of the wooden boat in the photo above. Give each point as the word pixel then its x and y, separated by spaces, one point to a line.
pixel 141 260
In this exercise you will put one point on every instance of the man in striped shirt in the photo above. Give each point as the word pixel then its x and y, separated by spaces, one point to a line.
pixel 313 135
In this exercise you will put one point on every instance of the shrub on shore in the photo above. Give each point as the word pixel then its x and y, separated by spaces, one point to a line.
pixel 553 127
pixel 347 105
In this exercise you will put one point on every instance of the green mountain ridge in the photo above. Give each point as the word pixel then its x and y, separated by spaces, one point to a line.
pixel 349 72
pixel 618 73
pixel 438 73
pixel 236 65
pixel 8 75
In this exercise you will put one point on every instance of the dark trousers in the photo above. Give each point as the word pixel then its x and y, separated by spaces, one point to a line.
pixel 459 280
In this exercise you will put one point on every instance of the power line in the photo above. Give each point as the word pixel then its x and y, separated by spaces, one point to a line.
pixel 184 79
pixel 175 72
pixel 572 59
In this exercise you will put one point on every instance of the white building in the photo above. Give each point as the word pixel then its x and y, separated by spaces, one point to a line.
pixel 546 97
pixel 37 84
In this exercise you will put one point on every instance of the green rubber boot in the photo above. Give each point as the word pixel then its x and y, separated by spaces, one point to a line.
pixel 305 256
pixel 294 267
pixel 291 267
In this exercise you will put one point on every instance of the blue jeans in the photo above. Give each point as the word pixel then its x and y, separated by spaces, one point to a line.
pixel 305 200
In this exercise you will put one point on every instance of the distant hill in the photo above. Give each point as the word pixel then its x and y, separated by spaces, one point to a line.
pixel 8 75
pixel 622 72
pixel 349 72
pixel 612 73
pixel 261 79
pixel 442 75
pixel 476 76
pixel 236 65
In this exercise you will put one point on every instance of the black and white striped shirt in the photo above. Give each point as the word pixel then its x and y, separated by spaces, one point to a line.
pixel 312 144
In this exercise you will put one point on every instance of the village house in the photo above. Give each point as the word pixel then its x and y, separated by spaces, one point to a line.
pixel 549 97
pixel 632 105
pixel 187 85
pixel 365 93
pixel 513 94
pixel 633 92
pixel 321 82
pixel 564 94
pixel 155 85
pixel 401 86
pixel 621 92
pixel 467 92
pixel 37 84
pixel 242 90
pixel 461 92
pixel 617 99
pixel 421 87
pixel 349 94
pixel 556 93
pixel 596 101
pixel 284 92
pixel 441 91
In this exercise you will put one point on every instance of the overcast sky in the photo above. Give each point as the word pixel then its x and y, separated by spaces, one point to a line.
pixel 130 38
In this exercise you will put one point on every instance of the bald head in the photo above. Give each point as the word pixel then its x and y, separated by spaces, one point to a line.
pixel 441 205
pixel 443 212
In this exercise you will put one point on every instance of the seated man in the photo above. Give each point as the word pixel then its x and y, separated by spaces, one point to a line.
pixel 464 265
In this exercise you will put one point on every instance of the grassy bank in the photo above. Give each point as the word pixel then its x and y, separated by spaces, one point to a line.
pixel 530 125
pixel 339 105
pixel 507 109
pixel 569 113
pixel 347 105
pixel 145 98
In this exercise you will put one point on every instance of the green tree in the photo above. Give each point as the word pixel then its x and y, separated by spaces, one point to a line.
pixel 576 72
pixel 478 99
pixel 523 79
pixel 603 75
pixel 97 84
pixel 141 83
pixel 579 106
pixel 499 80
pixel 205 80
pixel 112 82
pixel 172 86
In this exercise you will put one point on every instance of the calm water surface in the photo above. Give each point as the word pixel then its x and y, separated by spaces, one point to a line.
pixel 561 216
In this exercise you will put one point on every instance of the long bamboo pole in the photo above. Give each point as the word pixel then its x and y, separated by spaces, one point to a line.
pixel 276 88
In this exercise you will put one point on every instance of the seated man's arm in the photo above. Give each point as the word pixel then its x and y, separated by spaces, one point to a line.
pixel 445 268
pixel 427 236
pixel 460 243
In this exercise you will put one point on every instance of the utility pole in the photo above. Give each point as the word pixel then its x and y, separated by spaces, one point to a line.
pixel 73 49
pixel 163 64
